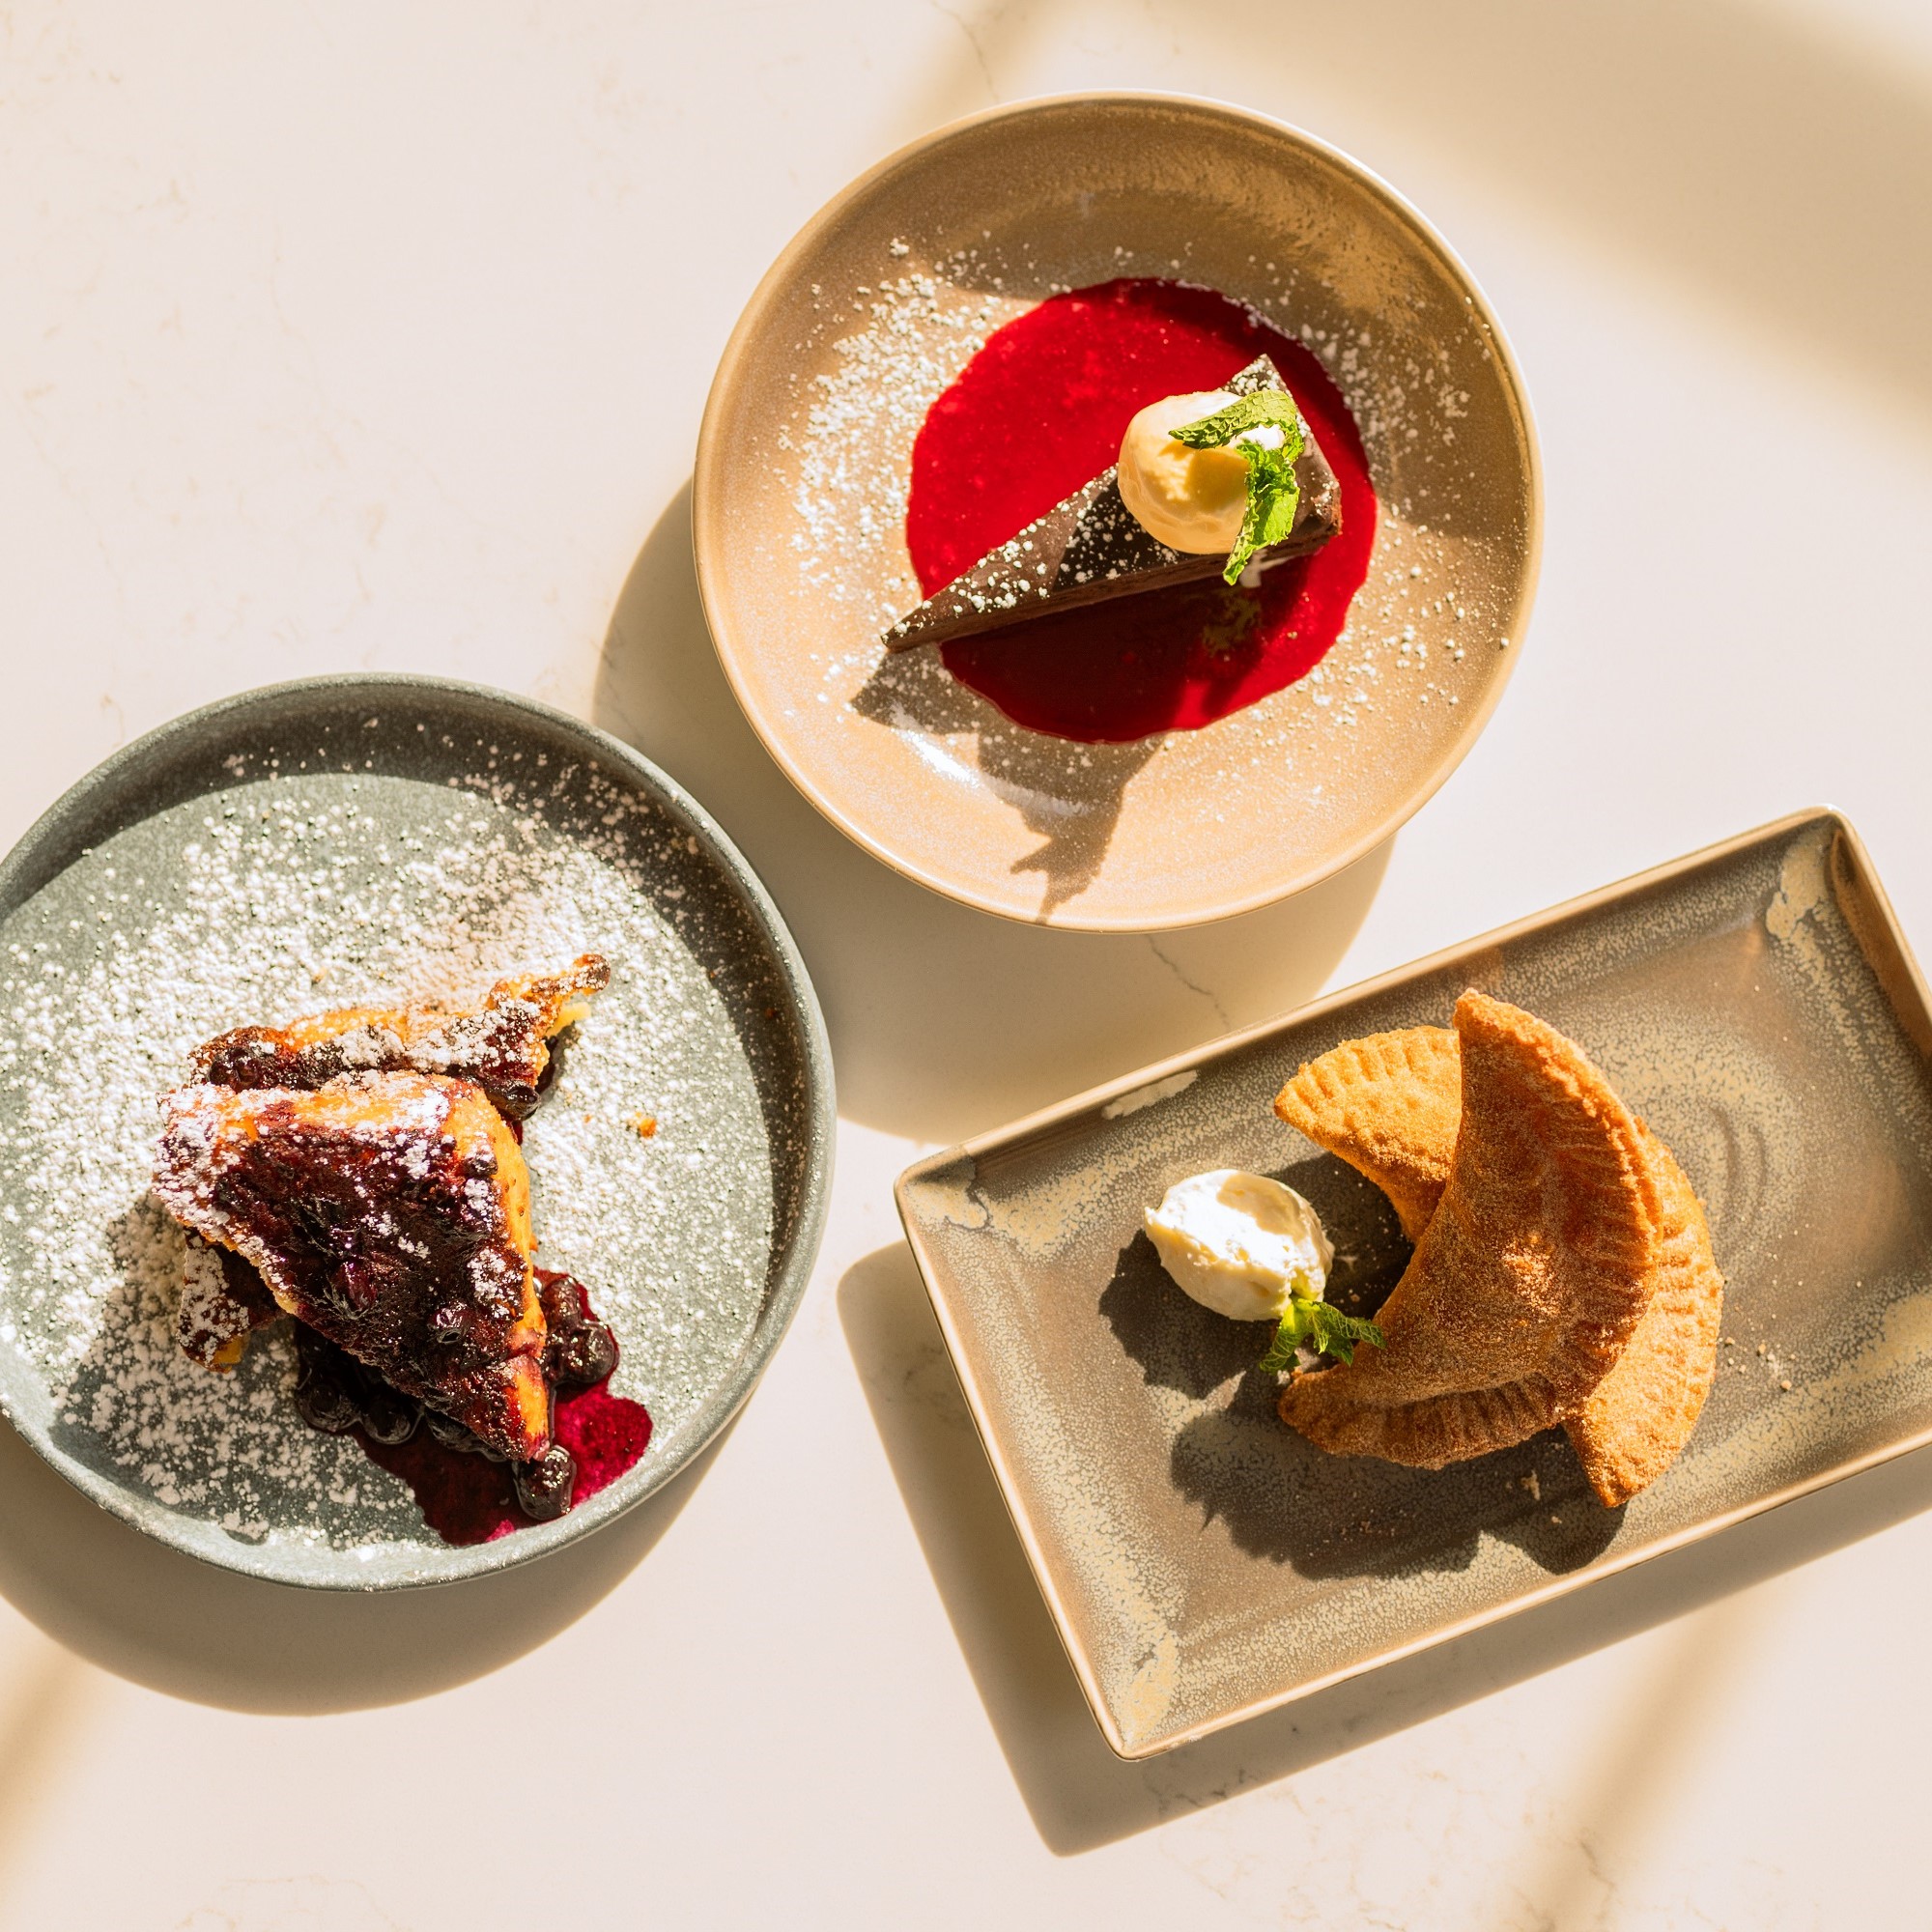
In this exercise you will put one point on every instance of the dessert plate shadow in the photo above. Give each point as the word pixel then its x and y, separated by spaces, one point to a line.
pixel 804 457
pixel 1755 1003
pixel 364 839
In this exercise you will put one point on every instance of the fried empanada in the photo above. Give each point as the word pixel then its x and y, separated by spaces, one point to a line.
pixel 1631 1424
pixel 1529 1278
pixel 1388 1105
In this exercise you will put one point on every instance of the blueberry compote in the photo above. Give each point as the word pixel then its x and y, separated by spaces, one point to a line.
pixel 468 1492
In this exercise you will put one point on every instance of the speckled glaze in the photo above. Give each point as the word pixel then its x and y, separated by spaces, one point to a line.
pixel 1754 1002
pixel 409 747
pixel 798 525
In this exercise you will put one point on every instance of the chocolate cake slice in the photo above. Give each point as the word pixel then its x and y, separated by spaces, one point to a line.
pixel 1090 547
pixel 391 1212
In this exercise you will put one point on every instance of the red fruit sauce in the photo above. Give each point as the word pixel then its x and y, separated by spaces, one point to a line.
pixel 1040 411
pixel 469 1499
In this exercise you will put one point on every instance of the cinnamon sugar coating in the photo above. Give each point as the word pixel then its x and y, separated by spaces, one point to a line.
pixel 1631 1424
pixel 1390 1105
pixel 1529 1278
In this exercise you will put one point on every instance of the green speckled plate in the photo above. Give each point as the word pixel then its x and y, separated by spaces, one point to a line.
pixel 1754 1002
pixel 360 839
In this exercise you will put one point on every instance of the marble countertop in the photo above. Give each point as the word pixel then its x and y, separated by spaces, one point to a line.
pixel 364 336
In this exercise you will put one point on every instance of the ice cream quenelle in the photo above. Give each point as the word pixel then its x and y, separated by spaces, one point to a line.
pixel 1192 499
pixel 1240 1243
pixel 1253 1249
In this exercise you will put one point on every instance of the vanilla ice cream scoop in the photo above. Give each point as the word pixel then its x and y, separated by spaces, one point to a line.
pixel 1240 1243
pixel 1192 500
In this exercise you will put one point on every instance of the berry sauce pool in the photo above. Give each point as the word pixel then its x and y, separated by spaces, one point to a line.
pixel 1040 411
pixel 468 1500
pixel 466 1496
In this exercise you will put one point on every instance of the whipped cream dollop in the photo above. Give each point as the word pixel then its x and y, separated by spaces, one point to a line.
pixel 1240 1243
pixel 1192 500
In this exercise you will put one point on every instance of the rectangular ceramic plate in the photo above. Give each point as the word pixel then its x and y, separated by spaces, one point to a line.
pixel 1754 1002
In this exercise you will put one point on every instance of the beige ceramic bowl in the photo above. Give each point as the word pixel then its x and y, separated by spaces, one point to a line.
pixel 799 508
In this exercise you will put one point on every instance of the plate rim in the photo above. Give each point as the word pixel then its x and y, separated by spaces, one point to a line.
pixel 451 1564
pixel 709 510
pixel 983 1413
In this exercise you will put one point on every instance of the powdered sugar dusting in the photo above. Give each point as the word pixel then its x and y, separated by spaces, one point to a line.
pixel 299 886
pixel 854 466
pixel 1406 644
pixel 1416 658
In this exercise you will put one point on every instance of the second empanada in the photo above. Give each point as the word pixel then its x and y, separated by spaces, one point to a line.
pixel 1388 1105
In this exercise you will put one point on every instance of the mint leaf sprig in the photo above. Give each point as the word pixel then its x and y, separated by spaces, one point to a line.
pixel 1273 494
pixel 1326 1329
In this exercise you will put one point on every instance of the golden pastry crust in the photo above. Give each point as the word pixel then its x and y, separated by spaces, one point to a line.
pixel 391 1214
pixel 1529 1278
pixel 223 1302
pixel 1388 1105
pixel 1631 1424
pixel 502 1045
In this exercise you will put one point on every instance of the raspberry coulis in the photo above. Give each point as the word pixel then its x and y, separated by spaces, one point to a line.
pixel 1040 412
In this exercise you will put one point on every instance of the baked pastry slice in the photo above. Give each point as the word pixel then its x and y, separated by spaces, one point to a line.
pixel 1390 1104
pixel 390 1211
pixel 223 1302
pixel 502 1045
pixel 1529 1278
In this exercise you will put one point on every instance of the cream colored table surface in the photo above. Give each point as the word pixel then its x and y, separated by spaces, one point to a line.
pixel 375 335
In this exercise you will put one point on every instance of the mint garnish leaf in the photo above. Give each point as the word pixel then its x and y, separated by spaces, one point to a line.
pixel 1325 1329
pixel 1273 494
